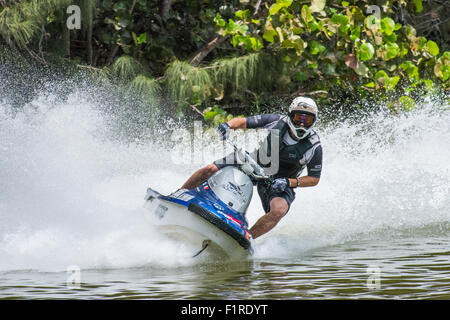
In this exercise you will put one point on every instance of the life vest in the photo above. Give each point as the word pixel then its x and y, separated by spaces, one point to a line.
pixel 291 158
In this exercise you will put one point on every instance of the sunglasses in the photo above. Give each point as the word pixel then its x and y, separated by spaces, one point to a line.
pixel 301 118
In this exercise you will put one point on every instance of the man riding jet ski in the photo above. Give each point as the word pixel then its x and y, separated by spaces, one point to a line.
pixel 299 147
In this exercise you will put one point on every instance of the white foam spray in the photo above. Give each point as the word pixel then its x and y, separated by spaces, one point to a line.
pixel 71 195
pixel 385 176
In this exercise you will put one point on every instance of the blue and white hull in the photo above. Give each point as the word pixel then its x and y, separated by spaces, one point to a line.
pixel 199 218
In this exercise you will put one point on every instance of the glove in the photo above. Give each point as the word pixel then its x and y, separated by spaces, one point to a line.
pixel 280 184
pixel 224 130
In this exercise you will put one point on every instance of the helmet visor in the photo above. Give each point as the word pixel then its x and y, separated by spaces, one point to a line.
pixel 302 119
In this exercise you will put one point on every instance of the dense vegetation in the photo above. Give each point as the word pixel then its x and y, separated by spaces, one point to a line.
pixel 213 57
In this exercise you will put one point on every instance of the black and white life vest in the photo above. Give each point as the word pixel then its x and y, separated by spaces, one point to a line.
pixel 292 158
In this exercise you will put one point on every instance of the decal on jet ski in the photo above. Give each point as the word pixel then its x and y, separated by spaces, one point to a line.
pixel 233 188
pixel 220 208
pixel 236 221
pixel 182 195
pixel 160 211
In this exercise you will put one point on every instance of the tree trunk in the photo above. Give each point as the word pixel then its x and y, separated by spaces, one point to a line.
pixel 114 51
pixel 206 49
pixel 88 21
pixel 66 40
pixel 89 44
pixel 112 55
pixel 164 8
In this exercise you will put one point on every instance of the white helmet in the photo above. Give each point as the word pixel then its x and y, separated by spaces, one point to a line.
pixel 302 116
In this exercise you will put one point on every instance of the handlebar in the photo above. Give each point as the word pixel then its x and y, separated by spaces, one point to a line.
pixel 250 166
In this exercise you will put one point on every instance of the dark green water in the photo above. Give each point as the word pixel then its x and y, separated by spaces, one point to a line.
pixel 416 268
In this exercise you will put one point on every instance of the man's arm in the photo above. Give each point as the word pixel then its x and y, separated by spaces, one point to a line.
pixel 262 120
pixel 314 167
pixel 258 121
pixel 305 181
pixel 238 123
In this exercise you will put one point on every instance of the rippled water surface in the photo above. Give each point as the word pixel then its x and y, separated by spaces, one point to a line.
pixel 406 268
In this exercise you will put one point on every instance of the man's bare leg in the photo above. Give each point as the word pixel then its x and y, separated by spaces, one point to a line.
pixel 278 209
pixel 199 176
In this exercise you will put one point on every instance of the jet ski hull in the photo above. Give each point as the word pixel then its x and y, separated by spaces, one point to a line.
pixel 198 218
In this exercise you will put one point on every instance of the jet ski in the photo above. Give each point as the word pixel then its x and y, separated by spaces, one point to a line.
pixel 212 217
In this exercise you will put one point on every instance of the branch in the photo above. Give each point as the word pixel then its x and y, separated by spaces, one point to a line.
pixel 194 107
pixel 311 93
pixel 41 39
pixel 36 56
pixel 206 49
pixel 132 7
pixel 200 54
pixel 303 93
pixel 88 67
pixel 257 5
pixel 112 55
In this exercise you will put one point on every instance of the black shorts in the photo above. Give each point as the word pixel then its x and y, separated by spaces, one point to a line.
pixel 265 192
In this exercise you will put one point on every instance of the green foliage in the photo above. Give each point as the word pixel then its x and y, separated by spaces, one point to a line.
pixel 376 45
pixel 442 66
pixel 235 78
pixel 432 48
pixel 126 68
pixel 288 46
pixel 385 81
pixel 317 5
pixel 21 22
pixel 238 75
pixel 406 103
pixel 411 70
pixel 145 86
pixel 215 115
pixel 366 51
pixel 238 30
pixel 418 4
pixel 278 5
pixel 187 84
pixel 387 26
